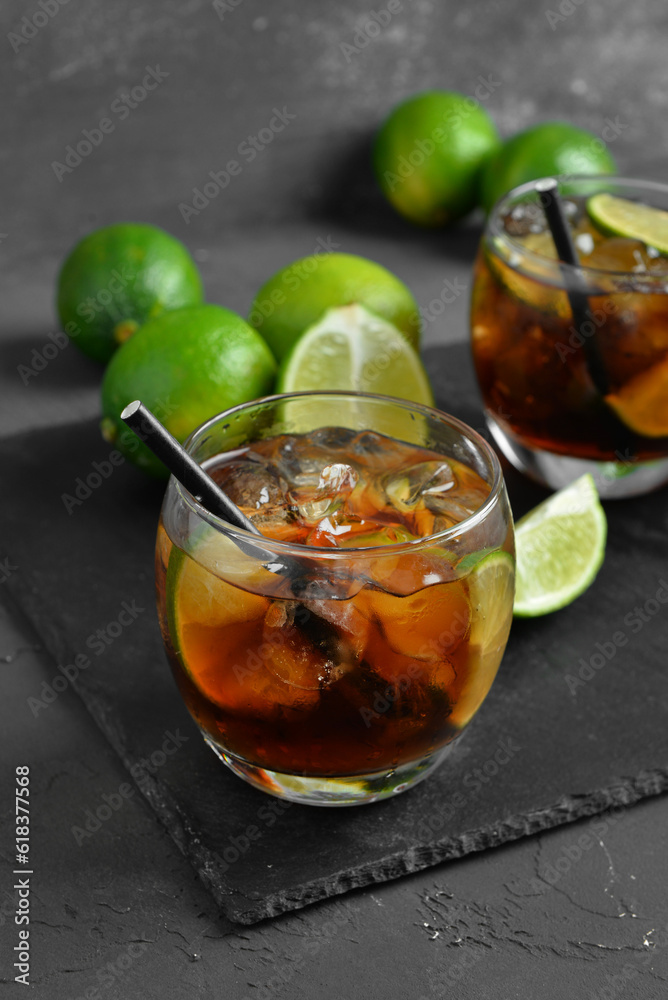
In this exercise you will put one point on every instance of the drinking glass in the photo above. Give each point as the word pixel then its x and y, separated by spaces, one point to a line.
pixel 333 659
pixel 572 362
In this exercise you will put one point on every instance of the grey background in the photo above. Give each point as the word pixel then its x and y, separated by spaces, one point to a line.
pixel 227 70
pixel 475 929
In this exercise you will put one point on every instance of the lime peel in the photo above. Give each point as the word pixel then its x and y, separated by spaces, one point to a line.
pixel 298 296
pixel 122 274
pixel 632 219
pixel 560 549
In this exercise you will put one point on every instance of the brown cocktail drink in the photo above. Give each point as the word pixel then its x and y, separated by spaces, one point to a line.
pixel 569 391
pixel 347 684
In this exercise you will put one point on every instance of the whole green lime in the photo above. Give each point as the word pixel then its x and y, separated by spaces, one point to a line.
pixel 118 277
pixel 428 155
pixel 298 295
pixel 186 366
pixel 544 150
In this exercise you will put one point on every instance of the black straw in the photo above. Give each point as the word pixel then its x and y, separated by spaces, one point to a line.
pixel 303 582
pixel 556 219
pixel 574 284
pixel 184 468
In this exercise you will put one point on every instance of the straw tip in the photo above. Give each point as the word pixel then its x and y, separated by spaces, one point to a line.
pixel 130 409
pixel 546 184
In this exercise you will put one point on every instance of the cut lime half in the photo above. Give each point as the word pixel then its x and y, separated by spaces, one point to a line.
pixel 560 548
pixel 352 349
pixel 636 221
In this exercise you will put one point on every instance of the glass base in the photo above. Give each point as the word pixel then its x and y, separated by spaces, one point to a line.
pixel 334 791
pixel 614 480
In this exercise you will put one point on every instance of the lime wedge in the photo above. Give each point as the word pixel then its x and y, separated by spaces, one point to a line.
pixel 196 593
pixel 560 547
pixel 642 402
pixel 535 289
pixel 350 348
pixel 631 219
pixel 491 586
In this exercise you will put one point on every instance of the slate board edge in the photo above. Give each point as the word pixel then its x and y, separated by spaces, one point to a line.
pixel 625 792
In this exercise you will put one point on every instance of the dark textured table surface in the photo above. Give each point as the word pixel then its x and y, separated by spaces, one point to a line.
pixel 577 912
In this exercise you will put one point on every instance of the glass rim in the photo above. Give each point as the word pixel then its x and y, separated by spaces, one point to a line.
pixel 495 231
pixel 356 552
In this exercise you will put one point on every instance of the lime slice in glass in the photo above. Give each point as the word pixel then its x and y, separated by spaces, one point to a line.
pixel 560 548
pixel 216 584
pixel 622 217
pixel 490 586
pixel 642 402
pixel 535 288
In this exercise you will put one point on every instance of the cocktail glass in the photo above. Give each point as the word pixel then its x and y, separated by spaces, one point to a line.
pixel 568 390
pixel 346 682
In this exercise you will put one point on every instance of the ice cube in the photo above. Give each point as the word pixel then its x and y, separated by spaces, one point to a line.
pixel 295 459
pixel 333 529
pixel 288 652
pixel 457 506
pixel 312 644
pixel 406 488
pixel 378 452
pixel 251 485
pixel 430 522
pixel 338 478
pixel 368 443
pixel 541 244
pixel 584 244
pixel 620 254
pixel 315 511
pixel 278 522
pixel 525 218
pixel 319 493
pixel 345 645
pixel 254 486
pixel 657 263
pixel 331 438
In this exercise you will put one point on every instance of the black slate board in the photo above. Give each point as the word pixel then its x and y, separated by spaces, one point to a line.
pixel 546 751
